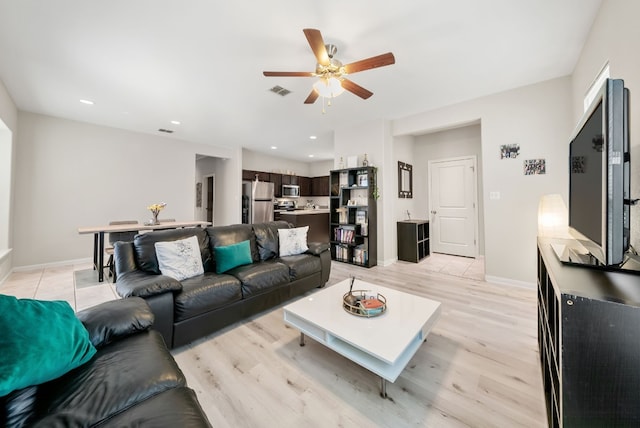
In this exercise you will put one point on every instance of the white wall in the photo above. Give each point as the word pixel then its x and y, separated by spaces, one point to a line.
pixel 404 151
pixel 8 132
pixel 374 139
pixel 72 174
pixel 451 143
pixel 615 37
pixel 538 117
pixel 320 168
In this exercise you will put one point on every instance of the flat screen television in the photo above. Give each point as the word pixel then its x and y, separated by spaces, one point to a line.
pixel 599 178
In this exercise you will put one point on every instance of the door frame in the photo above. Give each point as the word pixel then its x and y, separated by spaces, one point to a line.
pixel 205 196
pixel 476 223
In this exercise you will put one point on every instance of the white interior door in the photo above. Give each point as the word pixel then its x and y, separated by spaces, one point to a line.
pixel 452 206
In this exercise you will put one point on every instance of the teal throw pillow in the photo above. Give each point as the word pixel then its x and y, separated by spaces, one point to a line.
pixel 40 341
pixel 234 255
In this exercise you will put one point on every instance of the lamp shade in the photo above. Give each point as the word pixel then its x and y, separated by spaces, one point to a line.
pixel 552 217
pixel 328 87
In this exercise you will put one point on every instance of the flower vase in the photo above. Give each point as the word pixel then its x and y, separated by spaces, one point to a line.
pixel 155 221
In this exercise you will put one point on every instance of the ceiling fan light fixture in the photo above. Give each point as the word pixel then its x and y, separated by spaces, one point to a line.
pixel 328 87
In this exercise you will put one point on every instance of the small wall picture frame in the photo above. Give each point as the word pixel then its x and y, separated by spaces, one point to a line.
pixel 535 167
pixel 352 161
pixel 509 151
pixel 198 195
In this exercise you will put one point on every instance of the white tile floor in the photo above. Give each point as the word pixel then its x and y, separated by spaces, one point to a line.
pixel 78 284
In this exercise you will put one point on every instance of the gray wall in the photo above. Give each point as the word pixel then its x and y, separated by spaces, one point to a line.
pixel 615 38
pixel 8 134
pixel 538 117
pixel 71 174
pixel 457 142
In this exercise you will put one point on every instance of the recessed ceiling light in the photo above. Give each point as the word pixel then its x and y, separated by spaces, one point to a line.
pixel 175 122
pixel 274 148
pixel 312 137
pixel 310 156
pixel 87 102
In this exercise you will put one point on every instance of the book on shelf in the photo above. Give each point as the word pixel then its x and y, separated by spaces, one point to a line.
pixel 344 233
pixel 342 252
pixel 360 255
pixel 361 217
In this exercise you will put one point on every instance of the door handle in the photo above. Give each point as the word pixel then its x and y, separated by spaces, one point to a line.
pixel 433 212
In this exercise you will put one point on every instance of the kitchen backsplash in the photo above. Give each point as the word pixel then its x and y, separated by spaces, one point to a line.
pixel 318 201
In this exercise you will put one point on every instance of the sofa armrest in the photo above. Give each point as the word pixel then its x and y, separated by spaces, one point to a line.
pixel 141 284
pixel 124 259
pixel 316 248
pixel 111 320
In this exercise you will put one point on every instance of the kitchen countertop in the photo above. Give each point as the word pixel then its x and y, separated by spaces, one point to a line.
pixel 305 212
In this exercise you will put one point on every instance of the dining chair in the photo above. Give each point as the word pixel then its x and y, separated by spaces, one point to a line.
pixel 115 237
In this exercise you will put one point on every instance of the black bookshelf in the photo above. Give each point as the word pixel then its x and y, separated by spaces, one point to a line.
pixel 353 216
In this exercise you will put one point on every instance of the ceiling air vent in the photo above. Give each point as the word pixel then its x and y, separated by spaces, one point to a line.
pixel 168 131
pixel 280 90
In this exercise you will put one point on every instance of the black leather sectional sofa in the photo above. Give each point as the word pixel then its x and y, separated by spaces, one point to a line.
pixel 192 308
pixel 132 380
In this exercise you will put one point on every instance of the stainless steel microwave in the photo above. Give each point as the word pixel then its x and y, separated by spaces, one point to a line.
pixel 290 191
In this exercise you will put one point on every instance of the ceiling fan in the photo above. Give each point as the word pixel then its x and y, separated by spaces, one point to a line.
pixel 331 71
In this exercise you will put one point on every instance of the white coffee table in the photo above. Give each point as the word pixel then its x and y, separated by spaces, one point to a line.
pixel 382 344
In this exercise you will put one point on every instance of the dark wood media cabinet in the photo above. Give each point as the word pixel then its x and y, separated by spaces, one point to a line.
pixel 589 341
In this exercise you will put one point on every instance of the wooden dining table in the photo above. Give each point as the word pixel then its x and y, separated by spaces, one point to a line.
pixel 99 231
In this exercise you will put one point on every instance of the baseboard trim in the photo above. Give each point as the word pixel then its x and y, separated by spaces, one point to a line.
pixel 511 282
pixel 52 264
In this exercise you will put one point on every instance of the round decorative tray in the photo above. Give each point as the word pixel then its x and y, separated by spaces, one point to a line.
pixel 359 303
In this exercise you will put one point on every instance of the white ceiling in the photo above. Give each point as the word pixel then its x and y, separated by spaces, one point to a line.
pixel 147 62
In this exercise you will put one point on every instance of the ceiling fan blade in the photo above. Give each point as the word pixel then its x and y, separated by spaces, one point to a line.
pixel 356 89
pixel 313 96
pixel 317 45
pixel 288 73
pixel 369 63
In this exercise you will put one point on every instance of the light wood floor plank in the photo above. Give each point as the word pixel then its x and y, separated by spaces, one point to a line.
pixel 479 367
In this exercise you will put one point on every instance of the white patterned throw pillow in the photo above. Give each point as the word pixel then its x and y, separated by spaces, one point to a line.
pixel 180 259
pixel 293 241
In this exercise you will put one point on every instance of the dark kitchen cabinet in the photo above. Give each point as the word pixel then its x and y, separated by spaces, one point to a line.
pixel 276 179
pixel 305 186
pixel 251 175
pixel 320 186
pixel 290 179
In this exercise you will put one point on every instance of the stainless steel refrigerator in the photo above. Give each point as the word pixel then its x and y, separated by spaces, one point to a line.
pixel 257 201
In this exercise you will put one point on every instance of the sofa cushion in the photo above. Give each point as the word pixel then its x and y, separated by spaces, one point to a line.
pixel 177 407
pixel 204 293
pixel 230 256
pixel 40 341
pixel 267 238
pixel 179 259
pixel 293 241
pixel 301 265
pixel 220 236
pixel 120 375
pixel 145 251
pixel 260 277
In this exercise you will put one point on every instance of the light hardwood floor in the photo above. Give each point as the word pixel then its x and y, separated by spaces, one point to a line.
pixel 479 367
